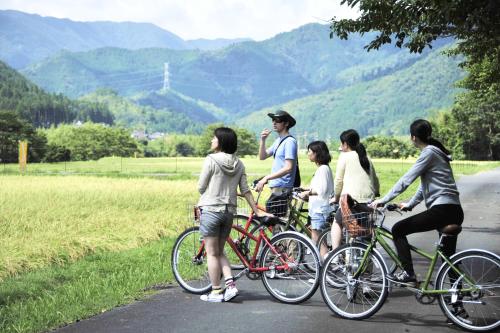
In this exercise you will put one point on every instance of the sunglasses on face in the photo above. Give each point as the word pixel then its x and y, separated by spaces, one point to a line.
pixel 276 120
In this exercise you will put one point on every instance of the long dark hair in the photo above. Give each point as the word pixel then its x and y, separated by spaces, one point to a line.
pixel 321 150
pixel 422 129
pixel 351 137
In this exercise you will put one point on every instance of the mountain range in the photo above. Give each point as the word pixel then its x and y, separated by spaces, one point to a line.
pixel 328 84
pixel 28 38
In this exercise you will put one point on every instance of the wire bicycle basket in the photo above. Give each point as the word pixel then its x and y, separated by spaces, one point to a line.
pixel 278 207
pixel 359 224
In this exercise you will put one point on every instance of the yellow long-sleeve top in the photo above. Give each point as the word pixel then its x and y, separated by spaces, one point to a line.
pixel 351 178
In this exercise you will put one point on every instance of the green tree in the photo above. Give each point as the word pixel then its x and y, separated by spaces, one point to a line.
pixel 92 141
pixel 14 129
pixel 184 149
pixel 247 142
pixel 447 130
pixel 416 25
pixel 388 147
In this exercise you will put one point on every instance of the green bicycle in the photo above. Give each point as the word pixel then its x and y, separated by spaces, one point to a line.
pixel 354 281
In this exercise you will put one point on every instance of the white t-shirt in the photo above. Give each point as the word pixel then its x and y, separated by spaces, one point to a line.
pixel 322 185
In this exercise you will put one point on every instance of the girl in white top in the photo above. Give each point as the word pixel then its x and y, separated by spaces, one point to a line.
pixel 321 190
pixel 355 175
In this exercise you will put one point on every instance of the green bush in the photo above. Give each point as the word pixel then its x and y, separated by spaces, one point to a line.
pixel 388 147
pixel 91 141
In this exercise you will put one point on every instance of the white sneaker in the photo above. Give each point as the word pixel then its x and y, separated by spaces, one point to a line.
pixel 230 293
pixel 211 297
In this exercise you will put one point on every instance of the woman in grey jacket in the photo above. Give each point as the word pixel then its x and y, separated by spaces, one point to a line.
pixel 220 177
pixel 437 188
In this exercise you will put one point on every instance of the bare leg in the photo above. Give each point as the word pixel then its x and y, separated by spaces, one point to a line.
pixel 223 262
pixel 336 235
pixel 213 255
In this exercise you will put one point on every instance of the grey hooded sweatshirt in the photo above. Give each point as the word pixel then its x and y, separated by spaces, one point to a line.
pixel 219 179
pixel 437 185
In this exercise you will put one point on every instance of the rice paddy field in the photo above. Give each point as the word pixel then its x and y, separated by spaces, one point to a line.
pixel 49 215
pixel 70 231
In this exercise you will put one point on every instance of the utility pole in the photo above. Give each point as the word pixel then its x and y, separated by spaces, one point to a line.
pixel 166 78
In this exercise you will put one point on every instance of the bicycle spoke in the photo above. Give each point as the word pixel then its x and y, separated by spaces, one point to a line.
pixel 478 309
pixel 189 265
pixel 292 285
pixel 351 297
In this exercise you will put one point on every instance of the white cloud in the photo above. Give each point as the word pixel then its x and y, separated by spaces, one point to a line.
pixel 191 19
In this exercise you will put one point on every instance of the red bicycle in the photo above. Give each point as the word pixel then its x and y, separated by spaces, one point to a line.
pixel 288 263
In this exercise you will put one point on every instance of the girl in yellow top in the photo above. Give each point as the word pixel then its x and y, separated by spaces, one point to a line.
pixel 355 175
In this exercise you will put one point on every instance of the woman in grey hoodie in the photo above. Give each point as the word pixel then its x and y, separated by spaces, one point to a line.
pixel 220 177
pixel 437 188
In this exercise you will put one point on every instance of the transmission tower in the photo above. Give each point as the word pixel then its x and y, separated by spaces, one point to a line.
pixel 166 79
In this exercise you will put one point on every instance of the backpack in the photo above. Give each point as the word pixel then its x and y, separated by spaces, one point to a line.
pixel 297 180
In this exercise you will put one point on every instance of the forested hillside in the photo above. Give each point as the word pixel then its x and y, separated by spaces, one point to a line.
pixel 386 105
pixel 27 38
pixel 41 109
pixel 240 79
pixel 171 112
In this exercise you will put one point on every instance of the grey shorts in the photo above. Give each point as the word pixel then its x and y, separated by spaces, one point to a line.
pixel 215 224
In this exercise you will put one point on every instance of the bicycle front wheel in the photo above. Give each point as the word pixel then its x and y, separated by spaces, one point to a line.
pixel 189 262
pixel 353 288
pixel 474 299
pixel 325 239
pixel 296 283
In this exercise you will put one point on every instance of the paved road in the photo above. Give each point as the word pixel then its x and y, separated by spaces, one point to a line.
pixel 172 310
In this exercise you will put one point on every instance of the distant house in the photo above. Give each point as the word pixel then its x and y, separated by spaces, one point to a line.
pixel 142 135
pixel 139 135
pixel 156 135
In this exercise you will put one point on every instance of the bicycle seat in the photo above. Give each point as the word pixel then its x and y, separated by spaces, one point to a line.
pixel 268 220
pixel 450 229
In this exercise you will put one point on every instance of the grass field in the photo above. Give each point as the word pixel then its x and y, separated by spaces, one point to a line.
pixel 189 167
pixel 74 245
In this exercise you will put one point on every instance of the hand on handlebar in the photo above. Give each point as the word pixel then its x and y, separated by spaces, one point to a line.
pixel 376 203
pixel 404 207
pixel 258 184
pixel 304 195
pixel 263 214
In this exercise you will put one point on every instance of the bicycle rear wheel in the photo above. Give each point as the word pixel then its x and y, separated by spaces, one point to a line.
pixel 350 296
pixel 189 263
pixel 298 282
pixel 472 306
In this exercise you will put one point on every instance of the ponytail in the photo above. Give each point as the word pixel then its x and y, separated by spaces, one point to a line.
pixel 351 137
pixel 438 144
pixel 363 158
pixel 422 129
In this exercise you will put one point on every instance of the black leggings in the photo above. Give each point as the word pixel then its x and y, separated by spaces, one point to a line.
pixel 436 217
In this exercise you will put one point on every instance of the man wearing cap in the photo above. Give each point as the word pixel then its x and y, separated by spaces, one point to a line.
pixel 284 149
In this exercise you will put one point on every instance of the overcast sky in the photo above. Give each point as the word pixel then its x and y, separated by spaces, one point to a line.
pixel 191 19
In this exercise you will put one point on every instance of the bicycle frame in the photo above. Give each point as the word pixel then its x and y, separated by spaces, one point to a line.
pixel 251 264
pixel 296 217
pixel 380 233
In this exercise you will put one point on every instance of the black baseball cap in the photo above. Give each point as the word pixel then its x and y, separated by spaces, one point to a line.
pixel 283 115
